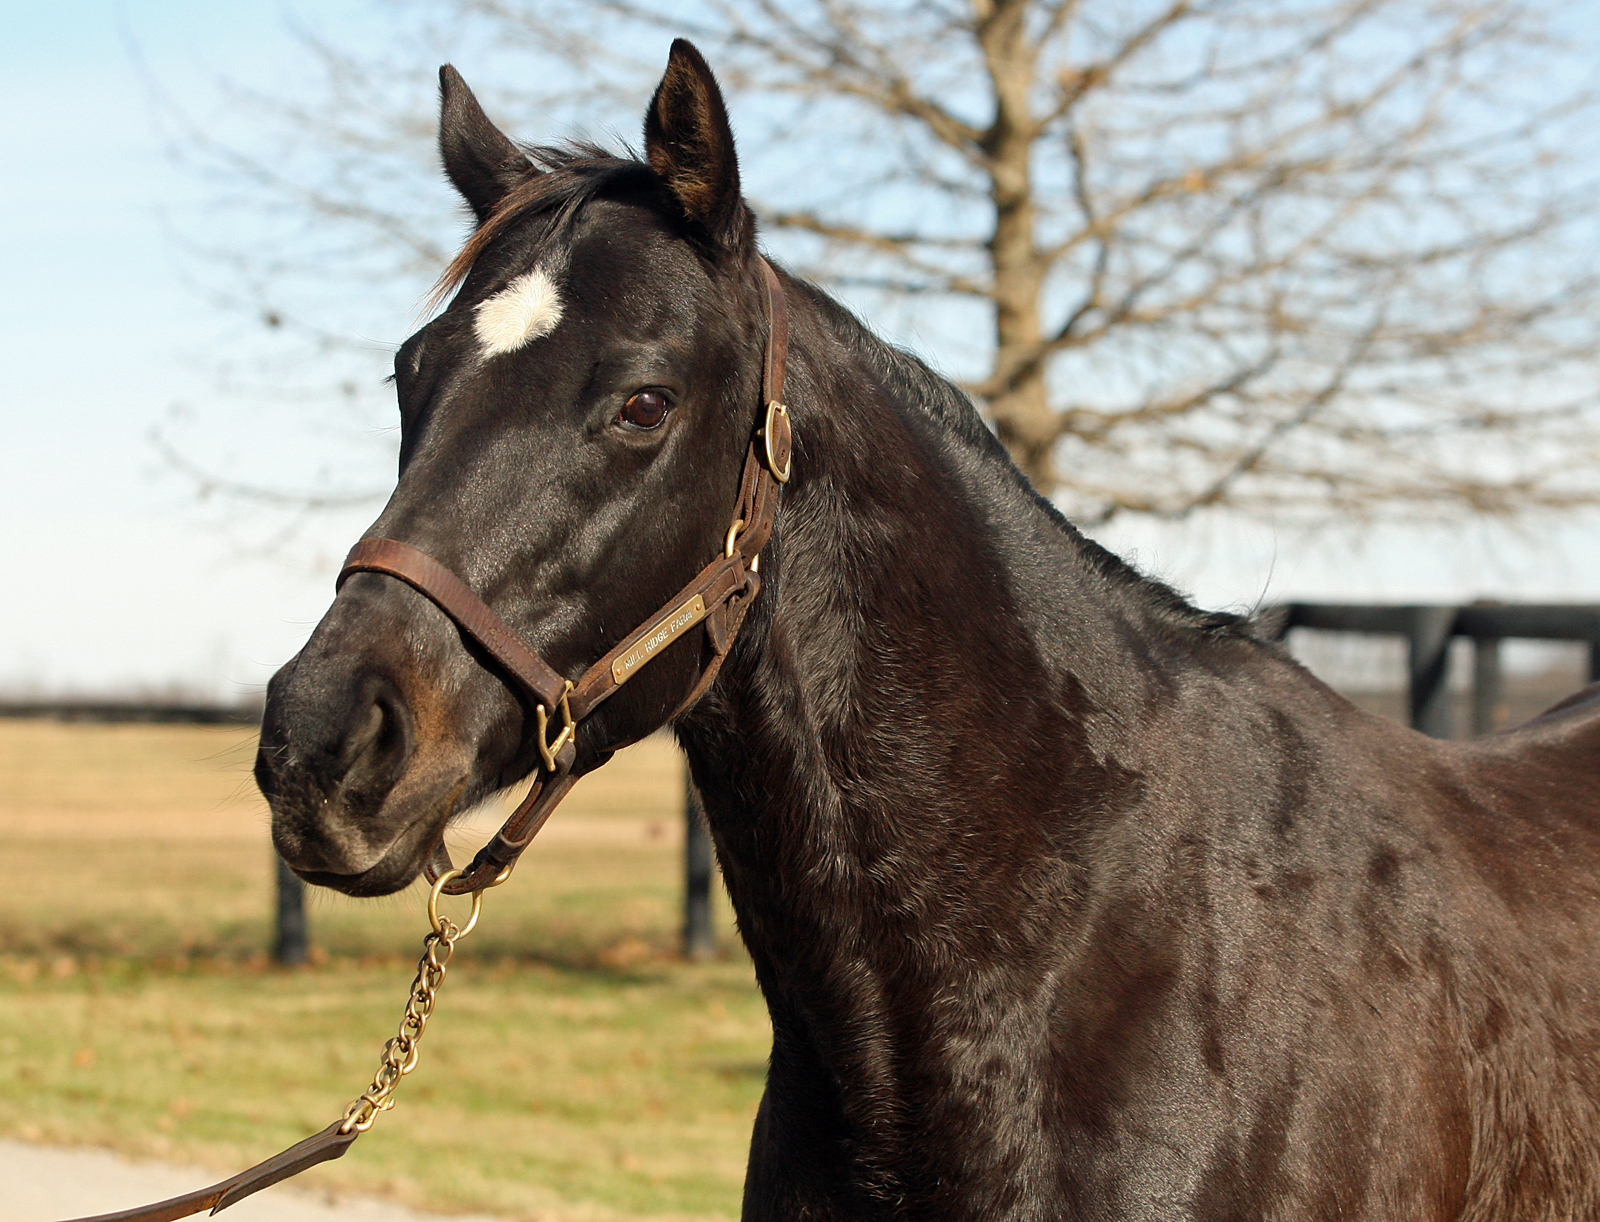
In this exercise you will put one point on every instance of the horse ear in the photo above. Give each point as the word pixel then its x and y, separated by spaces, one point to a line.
pixel 690 144
pixel 479 159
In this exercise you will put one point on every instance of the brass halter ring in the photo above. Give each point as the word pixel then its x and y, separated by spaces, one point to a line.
pixel 438 921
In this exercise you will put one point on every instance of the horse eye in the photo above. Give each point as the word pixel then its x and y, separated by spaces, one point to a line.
pixel 644 410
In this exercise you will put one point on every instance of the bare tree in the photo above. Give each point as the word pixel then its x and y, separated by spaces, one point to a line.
pixel 1279 255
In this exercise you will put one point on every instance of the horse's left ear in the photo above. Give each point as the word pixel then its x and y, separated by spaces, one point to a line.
pixel 689 142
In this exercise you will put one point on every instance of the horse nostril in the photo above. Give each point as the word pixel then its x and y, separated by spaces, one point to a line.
pixel 393 727
pixel 368 731
pixel 381 737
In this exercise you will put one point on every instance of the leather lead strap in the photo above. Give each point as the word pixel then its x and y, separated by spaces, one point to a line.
pixel 318 1148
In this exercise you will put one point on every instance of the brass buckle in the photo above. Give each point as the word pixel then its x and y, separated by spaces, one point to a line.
pixel 775 409
pixel 548 750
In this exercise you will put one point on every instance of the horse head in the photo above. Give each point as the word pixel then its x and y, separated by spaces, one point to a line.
pixel 572 429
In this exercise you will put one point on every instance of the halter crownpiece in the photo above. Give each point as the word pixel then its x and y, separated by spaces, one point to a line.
pixel 719 597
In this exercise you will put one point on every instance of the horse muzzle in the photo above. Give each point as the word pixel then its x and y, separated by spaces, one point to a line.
pixel 366 752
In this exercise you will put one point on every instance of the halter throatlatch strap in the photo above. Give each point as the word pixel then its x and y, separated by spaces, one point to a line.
pixel 718 599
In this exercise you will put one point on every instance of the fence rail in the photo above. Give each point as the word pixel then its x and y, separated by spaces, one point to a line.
pixel 121 711
pixel 1430 627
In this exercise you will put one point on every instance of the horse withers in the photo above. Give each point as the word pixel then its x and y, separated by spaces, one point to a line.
pixel 1068 900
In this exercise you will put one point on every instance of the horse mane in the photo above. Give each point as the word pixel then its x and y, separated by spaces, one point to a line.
pixel 565 177
pixel 913 383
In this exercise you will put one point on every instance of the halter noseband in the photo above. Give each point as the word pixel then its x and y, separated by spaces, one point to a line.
pixel 718 597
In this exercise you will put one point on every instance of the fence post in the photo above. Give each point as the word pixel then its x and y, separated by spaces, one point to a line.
pixel 699 940
pixel 1488 686
pixel 291 942
pixel 1428 636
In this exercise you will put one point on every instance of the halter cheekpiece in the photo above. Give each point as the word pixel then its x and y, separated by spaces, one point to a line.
pixel 718 598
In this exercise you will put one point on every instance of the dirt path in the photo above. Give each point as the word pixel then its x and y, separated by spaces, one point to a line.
pixel 46 1184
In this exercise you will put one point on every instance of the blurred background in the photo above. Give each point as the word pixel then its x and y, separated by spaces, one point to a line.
pixel 1294 302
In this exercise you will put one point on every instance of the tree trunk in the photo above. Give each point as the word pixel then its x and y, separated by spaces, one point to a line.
pixel 1019 407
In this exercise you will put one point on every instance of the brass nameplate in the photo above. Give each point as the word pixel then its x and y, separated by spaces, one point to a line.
pixel 658 638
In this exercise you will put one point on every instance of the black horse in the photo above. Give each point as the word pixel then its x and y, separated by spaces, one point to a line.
pixel 1069 900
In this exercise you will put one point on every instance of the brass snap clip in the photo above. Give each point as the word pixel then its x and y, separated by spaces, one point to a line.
pixel 549 750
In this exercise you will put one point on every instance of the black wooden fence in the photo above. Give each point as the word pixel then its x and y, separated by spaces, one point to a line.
pixel 121 711
pixel 699 935
pixel 1430 627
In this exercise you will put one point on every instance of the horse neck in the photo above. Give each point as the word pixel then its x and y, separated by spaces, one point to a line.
pixel 933 699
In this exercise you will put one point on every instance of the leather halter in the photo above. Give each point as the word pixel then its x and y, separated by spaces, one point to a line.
pixel 718 598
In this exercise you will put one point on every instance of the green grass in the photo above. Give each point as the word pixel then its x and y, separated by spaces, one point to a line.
pixel 574 1067
pixel 539 1087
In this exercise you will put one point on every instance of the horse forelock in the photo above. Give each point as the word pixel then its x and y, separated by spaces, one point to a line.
pixel 563 179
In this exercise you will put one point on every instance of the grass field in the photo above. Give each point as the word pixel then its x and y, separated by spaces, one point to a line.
pixel 575 1067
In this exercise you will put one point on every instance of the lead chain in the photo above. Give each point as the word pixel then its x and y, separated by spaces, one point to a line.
pixel 400 1053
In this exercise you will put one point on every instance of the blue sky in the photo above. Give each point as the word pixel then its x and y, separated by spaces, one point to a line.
pixel 118 579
